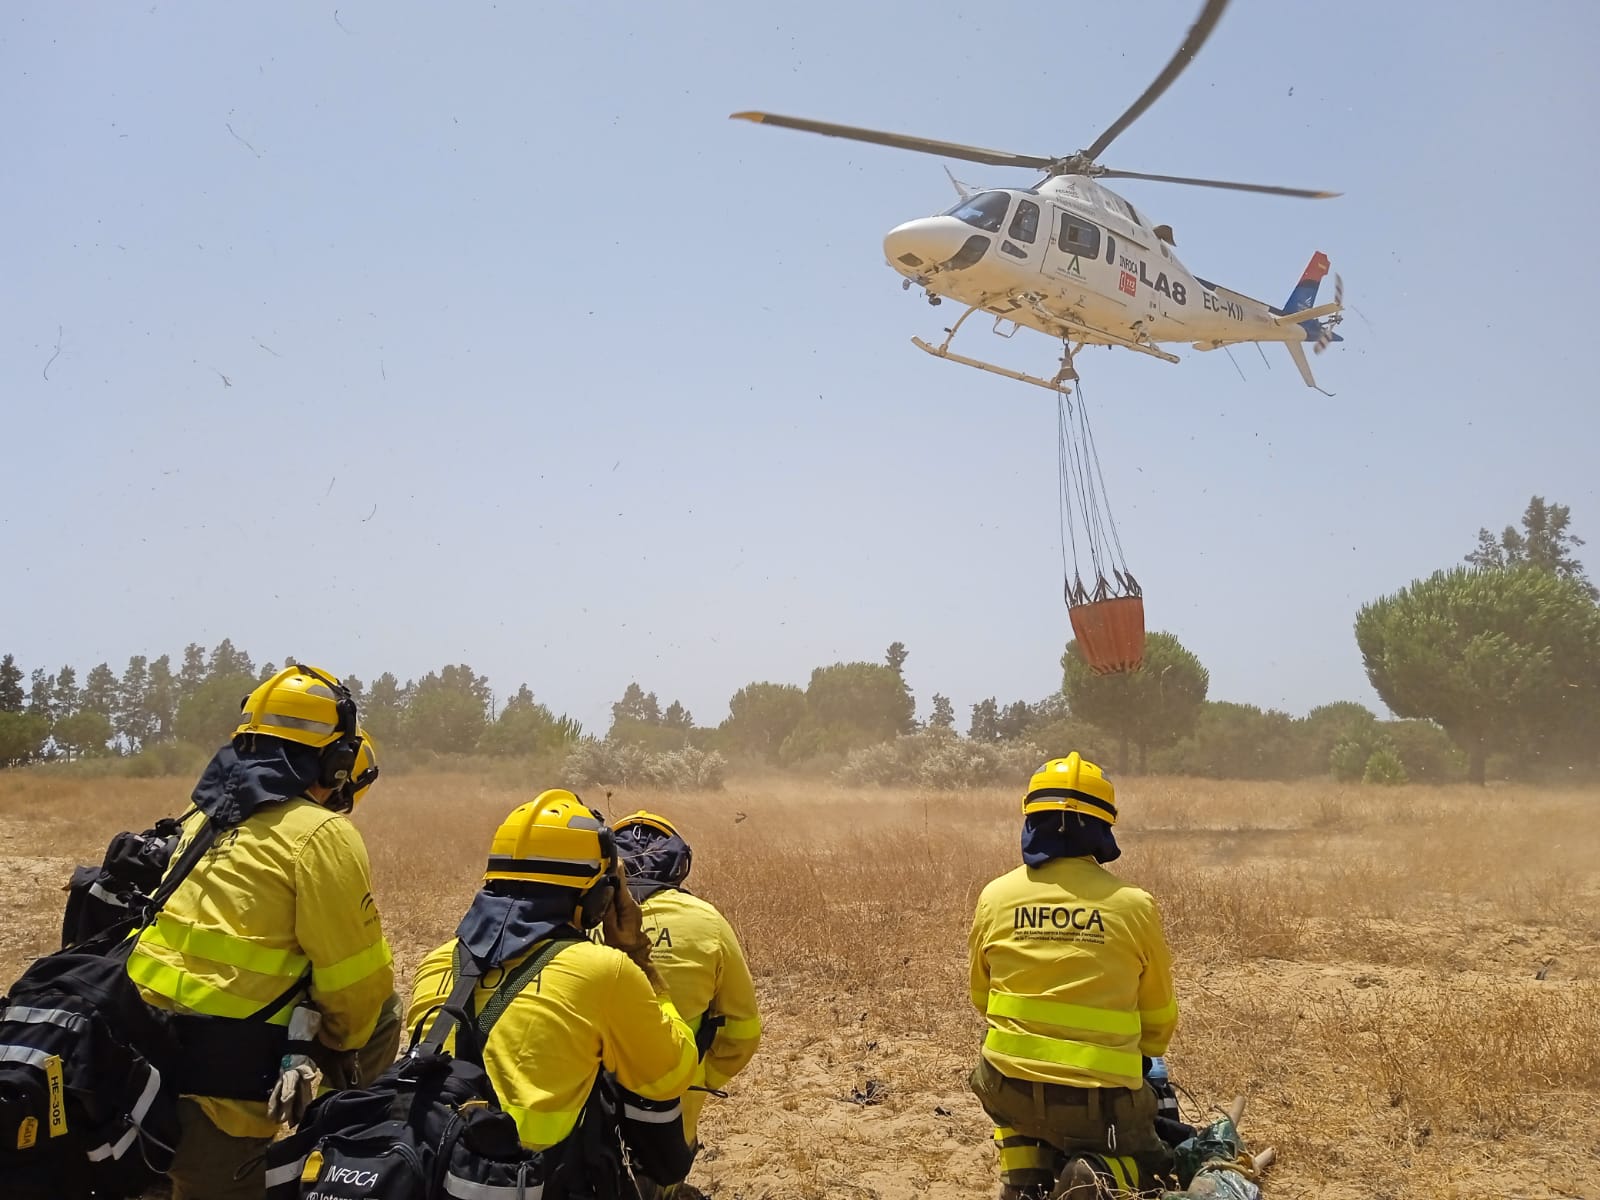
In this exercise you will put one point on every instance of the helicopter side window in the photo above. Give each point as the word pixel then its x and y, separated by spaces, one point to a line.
pixel 1079 237
pixel 1120 206
pixel 985 211
pixel 1025 225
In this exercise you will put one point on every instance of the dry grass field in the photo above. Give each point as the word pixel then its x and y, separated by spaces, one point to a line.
pixel 1406 982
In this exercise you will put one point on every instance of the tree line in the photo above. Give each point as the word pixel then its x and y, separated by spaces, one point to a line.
pixel 1500 655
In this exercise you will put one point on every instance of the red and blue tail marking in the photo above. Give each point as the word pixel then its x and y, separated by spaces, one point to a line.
pixel 1305 295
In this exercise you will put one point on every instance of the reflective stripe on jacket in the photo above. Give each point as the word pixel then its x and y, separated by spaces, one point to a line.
pixel 287 890
pixel 589 1007
pixel 1071 969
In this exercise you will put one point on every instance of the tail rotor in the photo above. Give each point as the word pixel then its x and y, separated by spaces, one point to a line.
pixel 1326 335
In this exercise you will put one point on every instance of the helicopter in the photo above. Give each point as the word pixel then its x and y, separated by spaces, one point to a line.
pixel 1074 260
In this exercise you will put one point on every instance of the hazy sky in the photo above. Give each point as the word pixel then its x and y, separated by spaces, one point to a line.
pixel 536 361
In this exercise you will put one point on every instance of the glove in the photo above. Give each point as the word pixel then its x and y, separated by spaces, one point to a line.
pixel 623 923
pixel 623 928
pixel 299 1077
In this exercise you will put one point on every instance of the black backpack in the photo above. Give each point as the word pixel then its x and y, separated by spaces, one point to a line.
pixel 89 1071
pixel 431 1126
pixel 121 886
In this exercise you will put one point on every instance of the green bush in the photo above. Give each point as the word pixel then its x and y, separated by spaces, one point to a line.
pixel 166 758
pixel 1349 757
pixel 1426 751
pixel 593 763
pixel 1384 767
pixel 940 761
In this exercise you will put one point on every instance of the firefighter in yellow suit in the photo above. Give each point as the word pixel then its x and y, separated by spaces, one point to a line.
pixel 552 876
pixel 1071 970
pixel 697 953
pixel 275 921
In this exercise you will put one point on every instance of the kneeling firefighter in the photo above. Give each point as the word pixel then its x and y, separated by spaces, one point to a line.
pixel 278 910
pixel 580 1033
pixel 697 953
pixel 1071 969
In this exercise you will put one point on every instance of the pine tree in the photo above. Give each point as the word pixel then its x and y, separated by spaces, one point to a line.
pixel 134 722
pixel 11 693
pixel 100 691
pixel 161 699
pixel 67 697
pixel 42 694
pixel 193 672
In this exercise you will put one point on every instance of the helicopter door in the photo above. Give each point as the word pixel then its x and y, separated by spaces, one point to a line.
pixel 1021 235
pixel 1073 255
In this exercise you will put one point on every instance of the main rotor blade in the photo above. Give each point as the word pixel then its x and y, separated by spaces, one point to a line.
pixel 1198 32
pixel 901 141
pixel 1302 193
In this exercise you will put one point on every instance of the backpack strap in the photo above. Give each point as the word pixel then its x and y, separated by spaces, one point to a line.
pixel 456 1012
pixel 517 979
pixel 192 854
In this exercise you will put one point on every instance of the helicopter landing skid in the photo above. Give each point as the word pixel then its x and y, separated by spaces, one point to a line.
pixel 944 352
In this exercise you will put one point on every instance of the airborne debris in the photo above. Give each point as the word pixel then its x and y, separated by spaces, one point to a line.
pixel 54 356
pixel 242 142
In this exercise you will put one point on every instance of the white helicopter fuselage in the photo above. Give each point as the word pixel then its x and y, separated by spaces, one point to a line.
pixel 1074 260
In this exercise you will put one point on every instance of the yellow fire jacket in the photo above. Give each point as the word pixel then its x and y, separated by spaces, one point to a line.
pixel 590 1007
pixel 1071 969
pixel 704 968
pixel 287 890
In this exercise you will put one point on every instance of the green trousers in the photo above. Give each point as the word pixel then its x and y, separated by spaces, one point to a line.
pixel 1038 1126
pixel 212 1165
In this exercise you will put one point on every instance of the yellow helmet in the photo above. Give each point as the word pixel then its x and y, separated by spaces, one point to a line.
pixel 1071 784
pixel 650 819
pixel 555 839
pixel 299 704
pixel 302 704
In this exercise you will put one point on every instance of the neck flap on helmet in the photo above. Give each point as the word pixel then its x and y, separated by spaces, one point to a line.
pixel 503 924
pixel 654 860
pixel 239 782
pixel 1060 834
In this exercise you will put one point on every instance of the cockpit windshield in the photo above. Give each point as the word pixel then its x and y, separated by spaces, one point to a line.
pixel 985 210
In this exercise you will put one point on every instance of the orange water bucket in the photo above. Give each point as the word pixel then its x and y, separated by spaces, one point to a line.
pixel 1110 633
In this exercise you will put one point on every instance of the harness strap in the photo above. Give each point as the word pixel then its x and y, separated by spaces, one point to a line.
pixel 457 1005
pixel 196 850
pixel 517 979
pixel 707 1033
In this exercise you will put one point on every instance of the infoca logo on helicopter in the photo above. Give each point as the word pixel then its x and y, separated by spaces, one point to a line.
pixel 1174 291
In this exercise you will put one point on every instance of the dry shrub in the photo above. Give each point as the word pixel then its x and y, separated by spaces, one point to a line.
pixel 1480 1059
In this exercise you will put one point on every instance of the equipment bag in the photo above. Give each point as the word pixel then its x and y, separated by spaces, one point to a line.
pixel 88 1070
pixel 430 1126
pixel 103 896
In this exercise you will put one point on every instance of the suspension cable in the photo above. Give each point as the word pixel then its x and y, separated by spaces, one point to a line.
pixel 1081 485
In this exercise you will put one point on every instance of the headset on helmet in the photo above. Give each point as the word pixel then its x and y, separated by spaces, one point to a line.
pixel 339 757
pixel 362 776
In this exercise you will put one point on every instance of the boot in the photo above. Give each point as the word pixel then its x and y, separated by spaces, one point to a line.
pixel 1078 1181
